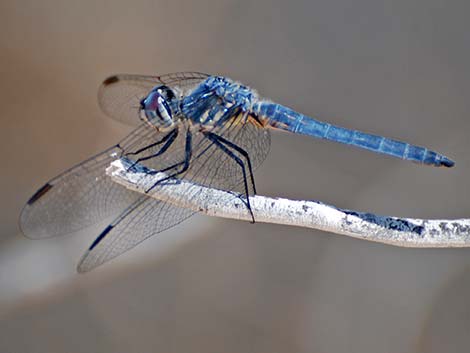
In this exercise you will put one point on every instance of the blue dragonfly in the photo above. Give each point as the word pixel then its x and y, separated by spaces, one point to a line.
pixel 208 130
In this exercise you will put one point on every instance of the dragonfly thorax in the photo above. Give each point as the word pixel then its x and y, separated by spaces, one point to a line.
pixel 216 100
pixel 159 108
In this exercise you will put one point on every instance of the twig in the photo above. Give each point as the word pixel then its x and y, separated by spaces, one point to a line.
pixel 406 232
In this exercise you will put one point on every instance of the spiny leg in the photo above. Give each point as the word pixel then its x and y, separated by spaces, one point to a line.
pixel 242 152
pixel 185 163
pixel 219 142
pixel 168 140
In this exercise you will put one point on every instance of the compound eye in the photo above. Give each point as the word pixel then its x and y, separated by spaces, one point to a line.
pixel 157 108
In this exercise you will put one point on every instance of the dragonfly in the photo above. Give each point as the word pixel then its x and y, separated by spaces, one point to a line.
pixel 208 130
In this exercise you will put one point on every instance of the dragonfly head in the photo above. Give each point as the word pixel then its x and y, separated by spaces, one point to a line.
pixel 159 108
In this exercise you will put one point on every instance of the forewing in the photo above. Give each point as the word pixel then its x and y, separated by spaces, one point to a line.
pixel 119 96
pixel 84 195
pixel 81 196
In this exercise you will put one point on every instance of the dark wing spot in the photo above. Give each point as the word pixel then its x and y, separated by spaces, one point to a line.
pixel 100 237
pixel 110 80
pixel 40 193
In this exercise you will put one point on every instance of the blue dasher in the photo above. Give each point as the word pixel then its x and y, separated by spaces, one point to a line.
pixel 209 130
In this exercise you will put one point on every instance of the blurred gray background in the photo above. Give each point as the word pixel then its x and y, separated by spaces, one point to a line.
pixel 396 68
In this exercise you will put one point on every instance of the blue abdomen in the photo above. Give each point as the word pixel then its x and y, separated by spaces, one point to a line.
pixel 280 117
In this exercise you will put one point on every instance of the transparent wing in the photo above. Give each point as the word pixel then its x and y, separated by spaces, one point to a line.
pixel 142 219
pixel 75 199
pixel 119 96
pixel 209 166
pixel 82 195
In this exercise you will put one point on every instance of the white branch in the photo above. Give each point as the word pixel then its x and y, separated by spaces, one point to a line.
pixel 405 232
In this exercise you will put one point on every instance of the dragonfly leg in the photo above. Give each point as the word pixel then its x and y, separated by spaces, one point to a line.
pixel 168 140
pixel 242 152
pixel 185 163
pixel 225 146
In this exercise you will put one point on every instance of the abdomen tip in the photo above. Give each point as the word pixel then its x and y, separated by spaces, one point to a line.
pixel 446 162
